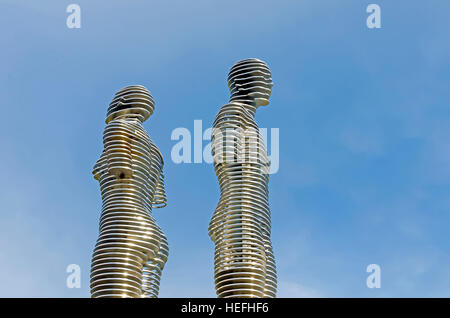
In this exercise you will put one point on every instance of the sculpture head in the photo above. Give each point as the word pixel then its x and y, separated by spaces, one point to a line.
pixel 250 80
pixel 133 101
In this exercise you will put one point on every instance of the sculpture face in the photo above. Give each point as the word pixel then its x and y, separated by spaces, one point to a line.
pixel 251 80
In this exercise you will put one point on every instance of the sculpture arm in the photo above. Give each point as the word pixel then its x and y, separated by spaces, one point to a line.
pixel 98 167
pixel 225 147
pixel 117 140
pixel 226 135
pixel 160 199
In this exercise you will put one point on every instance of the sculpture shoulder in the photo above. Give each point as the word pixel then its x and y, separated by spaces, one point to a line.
pixel 125 130
pixel 132 132
pixel 118 129
pixel 231 115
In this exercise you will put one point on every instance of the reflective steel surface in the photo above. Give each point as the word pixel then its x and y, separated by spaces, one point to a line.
pixel 244 264
pixel 131 249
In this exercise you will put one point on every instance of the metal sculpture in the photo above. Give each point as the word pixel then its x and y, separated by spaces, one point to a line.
pixel 244 264
pixel 131 250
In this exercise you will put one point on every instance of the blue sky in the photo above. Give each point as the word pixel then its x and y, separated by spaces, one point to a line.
pixel 364 121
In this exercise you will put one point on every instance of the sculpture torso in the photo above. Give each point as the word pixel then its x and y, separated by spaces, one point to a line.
pixel 131 249
pixel 240 226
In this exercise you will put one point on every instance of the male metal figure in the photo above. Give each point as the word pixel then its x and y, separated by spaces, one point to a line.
pixel 244 265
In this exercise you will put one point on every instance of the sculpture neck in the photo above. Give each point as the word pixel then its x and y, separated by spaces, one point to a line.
pixel 248 103
pixel 131 117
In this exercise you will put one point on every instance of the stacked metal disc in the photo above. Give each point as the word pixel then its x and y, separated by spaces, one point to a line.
pixel 131 249
pixel 244 265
